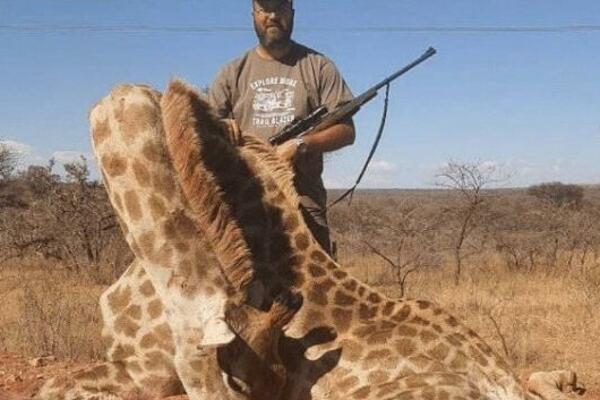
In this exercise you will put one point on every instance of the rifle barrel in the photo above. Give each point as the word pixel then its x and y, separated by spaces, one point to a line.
pixel 428 53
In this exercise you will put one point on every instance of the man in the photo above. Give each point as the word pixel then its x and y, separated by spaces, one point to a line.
pixel 279 81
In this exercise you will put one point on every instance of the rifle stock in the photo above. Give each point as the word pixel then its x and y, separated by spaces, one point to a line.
pixel 321 118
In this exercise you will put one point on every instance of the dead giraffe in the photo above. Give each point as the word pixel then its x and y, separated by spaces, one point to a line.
pixel 348 341
pixel 173 306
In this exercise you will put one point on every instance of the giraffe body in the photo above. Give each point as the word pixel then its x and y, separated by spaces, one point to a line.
pixel 347 341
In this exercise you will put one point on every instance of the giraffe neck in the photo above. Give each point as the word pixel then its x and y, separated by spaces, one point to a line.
pixel 331 296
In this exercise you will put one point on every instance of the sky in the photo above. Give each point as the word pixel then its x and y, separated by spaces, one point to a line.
pixel 527 102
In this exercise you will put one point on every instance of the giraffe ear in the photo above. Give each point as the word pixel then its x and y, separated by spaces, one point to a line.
pixel 216 333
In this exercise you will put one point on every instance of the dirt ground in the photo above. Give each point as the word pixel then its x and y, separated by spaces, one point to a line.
pixel 20 377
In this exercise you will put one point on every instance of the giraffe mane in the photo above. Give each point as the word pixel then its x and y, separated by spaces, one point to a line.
pixel 192 133
pixel 280 171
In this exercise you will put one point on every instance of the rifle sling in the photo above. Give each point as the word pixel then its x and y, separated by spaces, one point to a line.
pixel 350 191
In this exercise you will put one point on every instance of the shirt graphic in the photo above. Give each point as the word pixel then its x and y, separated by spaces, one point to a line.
pixel 273 102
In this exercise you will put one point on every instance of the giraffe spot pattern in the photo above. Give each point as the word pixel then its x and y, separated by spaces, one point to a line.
pixel 134 311
pixel 122 351
pixel 157 360
pixel 318 256
pixel 122 377
pixel 316 271
pixel 405 347
pixel 352 350
pixel 119 299
pixel 388 308
pixel 146 244
pixel 153 152
pixel 342 319
pixel 290 222
pixel 339 274
pixel 124 325
pixel 301 240
pixel 317 296
pixel 101 131
pixel 164 184
pixel 350 285
pixel 419 321
pixel 477 356
pixel 367 312
pixel 379 337
pixel 348 383
pixel 157 207
pixel 428 336
pixel 324 286
pixel 342 299
pixel 377 377
pixel 362 393
pixel 148 341
pixel 439 352
pixel 374 298
pixel 182 247
pixel 141 173
pixel 132 204
pixel 423 305
pixel 453 341
pixel 113 165
pixel 147 289
pixel 136 118
pixel 155 308
pixel 459 362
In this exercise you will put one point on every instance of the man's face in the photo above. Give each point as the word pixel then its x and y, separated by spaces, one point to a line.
pixel 273 22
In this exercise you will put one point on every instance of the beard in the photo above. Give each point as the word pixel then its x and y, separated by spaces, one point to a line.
pixel 273 39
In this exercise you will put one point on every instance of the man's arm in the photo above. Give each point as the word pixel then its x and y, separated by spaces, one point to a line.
pixel 333 92
pixel 330 139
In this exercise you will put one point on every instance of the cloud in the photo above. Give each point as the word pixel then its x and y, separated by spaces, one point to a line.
pixel 65 157
pixel 28 155
pixel 21 149
pixel 382 166
pixel 491 165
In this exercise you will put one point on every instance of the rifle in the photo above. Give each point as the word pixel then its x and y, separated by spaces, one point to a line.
pixel 321 118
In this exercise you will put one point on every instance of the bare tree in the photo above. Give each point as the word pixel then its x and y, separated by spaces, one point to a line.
pixel 402 236
pixel 469 180
pixel 8 161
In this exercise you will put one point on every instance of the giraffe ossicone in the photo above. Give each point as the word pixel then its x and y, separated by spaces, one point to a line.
pixel 215 224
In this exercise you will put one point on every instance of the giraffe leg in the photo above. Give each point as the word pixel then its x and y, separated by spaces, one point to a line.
pixel 140 361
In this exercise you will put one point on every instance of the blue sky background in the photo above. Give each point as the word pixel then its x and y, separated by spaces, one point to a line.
pixel 527 102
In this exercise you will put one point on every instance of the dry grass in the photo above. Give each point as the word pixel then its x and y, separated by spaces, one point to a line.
pixel 49 310
pixel 539 321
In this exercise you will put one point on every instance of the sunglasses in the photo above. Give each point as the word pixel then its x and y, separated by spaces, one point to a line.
pixel 280 8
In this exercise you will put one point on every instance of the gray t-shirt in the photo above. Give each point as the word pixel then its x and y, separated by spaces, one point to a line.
pixel 263 96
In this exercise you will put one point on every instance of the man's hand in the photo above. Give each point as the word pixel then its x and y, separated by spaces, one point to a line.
pixel 287 150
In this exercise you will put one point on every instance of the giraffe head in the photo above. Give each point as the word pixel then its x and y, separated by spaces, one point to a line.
pixel 252 360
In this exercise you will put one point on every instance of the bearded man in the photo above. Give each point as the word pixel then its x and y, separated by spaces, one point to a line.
pixel 276 82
